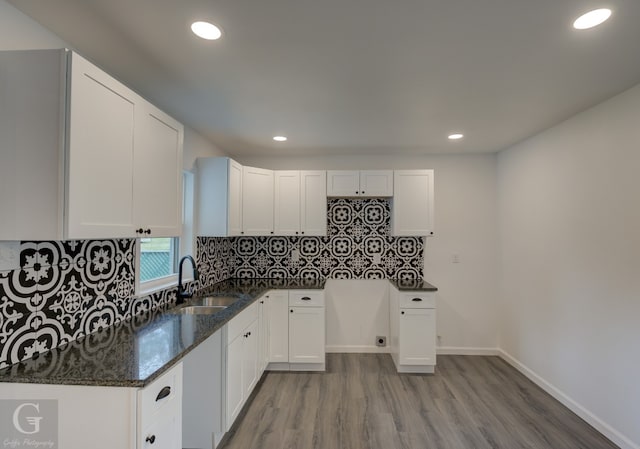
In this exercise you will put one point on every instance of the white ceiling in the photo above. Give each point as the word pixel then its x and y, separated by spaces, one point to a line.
pixel 358 76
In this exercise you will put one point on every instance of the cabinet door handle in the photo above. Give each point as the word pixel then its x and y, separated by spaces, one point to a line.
pixel 362 192
pixel 166 391
pixel 357 192
pixel 151 439
pixel 402 312
pixel 139 231
pixel 305 298
pixel 291 310
pixel 261 302
pixel 148 231
pixel 417 299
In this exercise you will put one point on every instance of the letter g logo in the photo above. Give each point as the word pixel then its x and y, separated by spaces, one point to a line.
pixel 34 421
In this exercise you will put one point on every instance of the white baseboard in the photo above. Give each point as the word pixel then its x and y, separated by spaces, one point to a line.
pixel 454 350
pixel 601 426
pixel 357 349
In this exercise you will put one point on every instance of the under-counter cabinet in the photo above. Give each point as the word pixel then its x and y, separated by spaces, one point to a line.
pixel 412 204
pixel 111 417
pixel 412 331
pixel 363 183
pixel 300 203
pixel 76 153
pixel 242 373
pixel 219 197
pixel 296 330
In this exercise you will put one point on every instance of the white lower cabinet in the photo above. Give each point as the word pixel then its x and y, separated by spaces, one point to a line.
pixel 242 361
pixel 111 417
pixel 413 331
pixel 296 330
pixel 278 341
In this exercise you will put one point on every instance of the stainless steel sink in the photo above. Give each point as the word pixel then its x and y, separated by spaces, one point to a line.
pixel 216 301
pixel 199 310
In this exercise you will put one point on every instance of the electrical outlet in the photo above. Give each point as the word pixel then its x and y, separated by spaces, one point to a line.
pixel 381 341
pixel 295 255
pixel 377 259
pixel 455 258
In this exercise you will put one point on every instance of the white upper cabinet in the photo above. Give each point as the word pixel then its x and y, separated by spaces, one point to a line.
pixel 300 203
pixel 313 202
pixel 412 207
pixel 363 183
pixel 82 155
pixel 219 193
pixel 257 201
pixel 100 154
pixel 157 185
pixel 287 202
pixel 376 183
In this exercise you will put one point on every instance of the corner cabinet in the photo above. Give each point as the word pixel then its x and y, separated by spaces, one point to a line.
pixel 219 197
pixel 363 183
pixel 113 417
pixel 412 328
pixel 412 204
pixel 89 157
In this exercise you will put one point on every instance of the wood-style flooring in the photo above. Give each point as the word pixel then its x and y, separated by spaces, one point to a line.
pixel 360 402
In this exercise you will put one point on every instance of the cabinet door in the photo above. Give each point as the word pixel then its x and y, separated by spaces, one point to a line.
pixel 313 202
pixel 306 335
pixel 235 387
pixel 250 359
pixel 157 177
pixel 417 337
pixel 100 154
pixel 278 326
pixel 263 335
pixel 376 183
pixel 343 183
pixel 412 210
pixel 287 203
pixel 165 433
pixel 257 201
pixel 234 197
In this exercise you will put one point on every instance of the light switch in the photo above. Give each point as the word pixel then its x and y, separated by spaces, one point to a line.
pixel 9 255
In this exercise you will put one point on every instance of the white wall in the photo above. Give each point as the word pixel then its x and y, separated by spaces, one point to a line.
pixel 20 32
pixel 466 225
pixel 570 222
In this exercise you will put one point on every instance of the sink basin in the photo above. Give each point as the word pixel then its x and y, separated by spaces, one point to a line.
pixel 199 310
pixel 216 301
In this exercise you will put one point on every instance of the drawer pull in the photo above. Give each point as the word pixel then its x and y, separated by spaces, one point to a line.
pixel 166 391
pixel 417 299
pixel 305 298
pixel 151 439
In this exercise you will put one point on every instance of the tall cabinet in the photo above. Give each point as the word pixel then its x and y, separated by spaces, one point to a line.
pixel 83 156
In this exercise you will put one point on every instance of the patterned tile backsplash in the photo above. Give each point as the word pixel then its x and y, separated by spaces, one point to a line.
pixel 65 290
pixel 358 245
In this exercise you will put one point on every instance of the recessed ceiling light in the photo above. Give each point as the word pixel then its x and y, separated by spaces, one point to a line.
pixel 280 138
pixel 456 136
pixel 592 19
pixel 206 30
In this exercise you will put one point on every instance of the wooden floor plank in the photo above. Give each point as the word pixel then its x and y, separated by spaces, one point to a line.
pixel 360 402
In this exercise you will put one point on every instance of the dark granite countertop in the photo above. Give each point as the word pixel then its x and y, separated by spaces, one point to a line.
pixel 413 285
pixel 135 352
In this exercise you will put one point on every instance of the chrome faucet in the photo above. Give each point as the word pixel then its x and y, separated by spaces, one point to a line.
pixel 182 293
